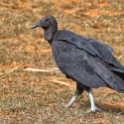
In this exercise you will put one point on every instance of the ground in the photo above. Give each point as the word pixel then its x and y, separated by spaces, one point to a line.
pixel 32 97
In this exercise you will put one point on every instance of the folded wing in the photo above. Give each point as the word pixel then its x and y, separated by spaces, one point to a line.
pixel 84 67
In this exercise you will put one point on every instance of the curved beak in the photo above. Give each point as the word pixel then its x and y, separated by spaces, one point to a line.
pixel 38 24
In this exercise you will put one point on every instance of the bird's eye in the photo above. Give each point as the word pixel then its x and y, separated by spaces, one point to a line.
pixel 46 20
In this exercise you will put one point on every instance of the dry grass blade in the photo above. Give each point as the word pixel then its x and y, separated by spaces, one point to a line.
pixel 41 70
pixel 62 82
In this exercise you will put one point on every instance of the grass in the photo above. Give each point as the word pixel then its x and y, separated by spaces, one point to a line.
pixel 31 97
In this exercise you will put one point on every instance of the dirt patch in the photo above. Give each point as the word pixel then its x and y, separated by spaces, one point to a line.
pixel 67 1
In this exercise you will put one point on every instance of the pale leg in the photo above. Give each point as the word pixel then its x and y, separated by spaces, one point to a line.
pixel 93 106
pixel 77 93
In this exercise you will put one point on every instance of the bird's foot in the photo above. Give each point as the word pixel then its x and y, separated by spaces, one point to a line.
pixel 93 110
pixel 61 105
pixel 67 105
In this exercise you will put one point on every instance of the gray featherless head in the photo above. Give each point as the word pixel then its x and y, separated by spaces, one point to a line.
pixel 49 24
pixel 45 22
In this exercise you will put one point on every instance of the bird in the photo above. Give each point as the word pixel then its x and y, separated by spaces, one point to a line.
pixel 89 62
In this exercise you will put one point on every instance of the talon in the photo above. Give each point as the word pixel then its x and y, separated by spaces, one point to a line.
pixel 61 105
pixel 67 106
pixel 93 110
pixel 58 105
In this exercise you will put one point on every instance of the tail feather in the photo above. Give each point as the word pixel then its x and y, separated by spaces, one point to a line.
pixel 119 72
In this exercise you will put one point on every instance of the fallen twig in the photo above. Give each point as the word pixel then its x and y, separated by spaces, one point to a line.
pixel 62 83
pixel 40 70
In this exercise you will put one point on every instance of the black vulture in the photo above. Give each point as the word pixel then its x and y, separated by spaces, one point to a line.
pixel 87 61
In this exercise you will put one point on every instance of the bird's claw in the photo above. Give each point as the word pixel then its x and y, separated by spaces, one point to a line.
pixel 93 110
pixel 58 105
pixel 61 105
pixel 67 106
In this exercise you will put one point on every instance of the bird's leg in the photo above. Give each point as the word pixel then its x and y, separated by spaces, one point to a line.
pixel 93 106
pixel 69 104
pixel 77 93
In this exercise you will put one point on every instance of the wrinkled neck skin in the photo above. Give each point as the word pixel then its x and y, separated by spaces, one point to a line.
pixel 49 33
